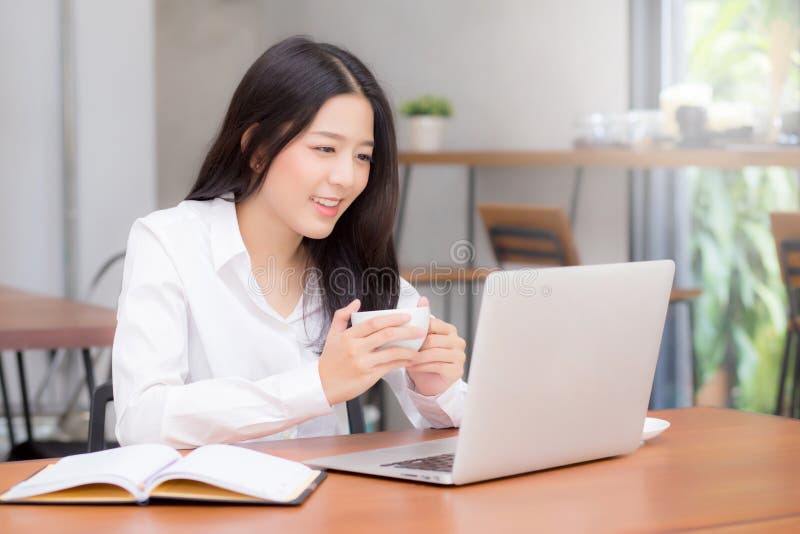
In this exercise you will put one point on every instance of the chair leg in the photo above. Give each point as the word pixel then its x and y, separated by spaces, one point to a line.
pixel 89 368
pixel 784 367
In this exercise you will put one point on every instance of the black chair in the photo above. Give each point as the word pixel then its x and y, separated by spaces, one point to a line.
pixel 97 417
pixel 105 394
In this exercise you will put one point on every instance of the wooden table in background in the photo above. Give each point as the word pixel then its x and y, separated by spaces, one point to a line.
pixel 32 321
pixel 713 469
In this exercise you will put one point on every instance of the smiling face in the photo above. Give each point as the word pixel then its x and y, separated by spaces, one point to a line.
pixel 316 177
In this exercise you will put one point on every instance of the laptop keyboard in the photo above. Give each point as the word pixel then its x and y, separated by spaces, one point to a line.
pixel 441 462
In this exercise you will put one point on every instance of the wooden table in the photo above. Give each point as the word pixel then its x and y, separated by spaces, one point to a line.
pixel 32 321
pixel 721 470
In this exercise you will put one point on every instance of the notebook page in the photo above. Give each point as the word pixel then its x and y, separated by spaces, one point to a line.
pixel 241 470
pixel 128 467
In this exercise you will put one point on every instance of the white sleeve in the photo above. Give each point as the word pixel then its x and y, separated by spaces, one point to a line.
pixel 153 402
pixel 439 411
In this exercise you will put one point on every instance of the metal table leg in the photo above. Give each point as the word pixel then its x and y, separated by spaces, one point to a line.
pixel 471 262
pixel 631 212
pixel 6 406
pixel 23 386
pixel 576 192
pixel 401 210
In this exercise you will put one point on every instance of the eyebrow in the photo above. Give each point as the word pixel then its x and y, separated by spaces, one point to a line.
pixel 340 137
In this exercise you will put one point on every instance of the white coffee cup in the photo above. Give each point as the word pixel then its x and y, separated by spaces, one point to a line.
pixel 420 318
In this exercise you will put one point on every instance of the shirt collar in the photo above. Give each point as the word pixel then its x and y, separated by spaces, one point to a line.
pixel 227 243
pixel 226 238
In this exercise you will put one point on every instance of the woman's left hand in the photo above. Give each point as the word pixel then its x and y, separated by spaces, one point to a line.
pixel 440 361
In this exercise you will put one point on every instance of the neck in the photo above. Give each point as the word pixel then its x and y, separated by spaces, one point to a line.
pixel 268 240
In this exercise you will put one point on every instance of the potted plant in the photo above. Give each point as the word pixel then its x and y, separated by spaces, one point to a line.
pixel 427 119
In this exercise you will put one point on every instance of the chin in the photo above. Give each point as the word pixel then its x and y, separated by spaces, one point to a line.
pixel 317 233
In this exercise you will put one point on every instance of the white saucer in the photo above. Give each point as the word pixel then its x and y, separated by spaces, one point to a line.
pixel 653 427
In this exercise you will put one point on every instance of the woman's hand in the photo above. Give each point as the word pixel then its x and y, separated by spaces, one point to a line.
pixel 350 365
pixel 441 358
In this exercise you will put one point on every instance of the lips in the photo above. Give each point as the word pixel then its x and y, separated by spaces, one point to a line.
pixel 327 207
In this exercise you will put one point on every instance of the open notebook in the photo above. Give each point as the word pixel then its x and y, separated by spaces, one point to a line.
pixel 137 473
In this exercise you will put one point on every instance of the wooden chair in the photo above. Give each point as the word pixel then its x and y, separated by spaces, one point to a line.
pixel 786 231
pixel 530 235
pixel 541 236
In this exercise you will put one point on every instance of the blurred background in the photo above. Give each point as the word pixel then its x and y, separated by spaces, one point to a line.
pixel 107 109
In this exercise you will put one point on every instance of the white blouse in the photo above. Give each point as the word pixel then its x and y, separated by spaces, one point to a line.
pixel 200 357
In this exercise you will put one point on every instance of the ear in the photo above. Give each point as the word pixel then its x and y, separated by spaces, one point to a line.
pixel 256 162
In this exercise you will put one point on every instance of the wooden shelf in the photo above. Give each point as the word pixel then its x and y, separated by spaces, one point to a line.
pixel 761 156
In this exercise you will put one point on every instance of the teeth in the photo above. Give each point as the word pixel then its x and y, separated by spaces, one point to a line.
pixel 325 202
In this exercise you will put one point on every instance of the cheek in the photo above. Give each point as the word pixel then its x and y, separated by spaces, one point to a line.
pixel 361 182
pixel 292 175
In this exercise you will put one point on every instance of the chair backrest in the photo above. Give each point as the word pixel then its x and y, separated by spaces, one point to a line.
pixel 786 231
pixel 102 395
pixel 356 416
pixel 530 234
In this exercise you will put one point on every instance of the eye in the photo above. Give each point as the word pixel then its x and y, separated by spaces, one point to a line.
pixel 365 157
pixel 326 149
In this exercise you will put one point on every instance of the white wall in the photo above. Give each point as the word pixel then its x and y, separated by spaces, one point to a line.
pixel 31 241
pixel 203 48
pixel 111 52
pixel 30 146
pixel 115 126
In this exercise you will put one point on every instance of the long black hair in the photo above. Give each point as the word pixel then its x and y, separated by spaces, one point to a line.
pixel 281 93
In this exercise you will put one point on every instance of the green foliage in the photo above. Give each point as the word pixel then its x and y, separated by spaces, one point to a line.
pixel 740 320
pixel 728 47
pixel 427 105
pixel 741 315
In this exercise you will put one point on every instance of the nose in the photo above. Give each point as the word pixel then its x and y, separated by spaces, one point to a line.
pixel 343 171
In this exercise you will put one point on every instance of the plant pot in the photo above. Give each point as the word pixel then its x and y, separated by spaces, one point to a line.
pixel 427 133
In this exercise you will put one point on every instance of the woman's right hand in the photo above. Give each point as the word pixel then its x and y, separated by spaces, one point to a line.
pixel 350 365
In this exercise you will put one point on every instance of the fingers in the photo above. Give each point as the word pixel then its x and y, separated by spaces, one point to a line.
pixel 392 333
pixel 390 355
pixel 342 316
pixel 438 355
pixel 423 302
pixel 440 327
pixel 443 341
pixel 381 370
pixel 442 369
pixel 378 323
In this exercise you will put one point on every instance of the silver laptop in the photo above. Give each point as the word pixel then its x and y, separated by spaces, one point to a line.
pixel 561 373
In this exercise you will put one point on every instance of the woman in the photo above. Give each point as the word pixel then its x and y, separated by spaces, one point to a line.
pixel 233 316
